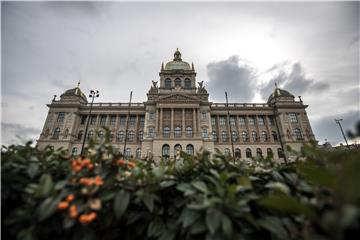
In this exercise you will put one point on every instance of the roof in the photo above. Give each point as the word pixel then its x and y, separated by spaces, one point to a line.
pixel 177 63
pixel 278 92
pixel 74 92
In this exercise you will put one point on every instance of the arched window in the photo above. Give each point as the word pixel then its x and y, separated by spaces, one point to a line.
pixel 120 136
pixel 56 133
pixel 237 153
pixel 234 136
pixel 74 151
pixel 298 134
pixel 178 132
pixel 227 152
pixel 187 83
pixel 80 135
pixel 264 137
pixel 166 132
pixel 178 82
pixel 275 136
pixel 177 148
pixel 168 83
pixel 270 153
pixel 138 153
pixel 165 151
pixel 101 134
pixel 280 153
pixel 189 132
pixel 248 153
pixel 128 152
pixel 224 136
pixel 258 152
pixel 244 136
pixel 111 136
pixel 131 136
pixel 254 136
pixel 91 134
pixel 141 135
pixel 214 136
pixel 190 149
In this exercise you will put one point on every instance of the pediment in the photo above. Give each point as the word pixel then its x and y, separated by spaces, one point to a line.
pixel 177 97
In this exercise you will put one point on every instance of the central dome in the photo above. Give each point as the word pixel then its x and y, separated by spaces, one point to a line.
pixel 177 63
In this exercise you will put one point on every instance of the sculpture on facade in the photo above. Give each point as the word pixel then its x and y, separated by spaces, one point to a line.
pixel 201 88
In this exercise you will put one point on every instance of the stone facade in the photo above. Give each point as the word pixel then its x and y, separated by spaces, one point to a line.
pixel 178 114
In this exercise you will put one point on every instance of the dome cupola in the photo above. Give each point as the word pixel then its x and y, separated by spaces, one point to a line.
pixel 73 94
pixel 177 63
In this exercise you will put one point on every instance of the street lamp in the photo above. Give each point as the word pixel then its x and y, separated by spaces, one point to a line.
pixel 93 94
pixel 338 122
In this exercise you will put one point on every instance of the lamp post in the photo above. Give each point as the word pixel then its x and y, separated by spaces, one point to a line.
pixel 338 121
pixel 93 94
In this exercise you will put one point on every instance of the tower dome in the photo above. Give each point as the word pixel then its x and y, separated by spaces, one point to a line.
pixel 177 63
pixel 280 93
pixel 74 94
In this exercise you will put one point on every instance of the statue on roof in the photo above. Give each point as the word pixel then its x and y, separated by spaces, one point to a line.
pixel 201 88
pixel 154 88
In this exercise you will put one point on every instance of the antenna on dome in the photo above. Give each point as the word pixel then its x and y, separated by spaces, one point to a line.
pixel 78 84
pixel 276 84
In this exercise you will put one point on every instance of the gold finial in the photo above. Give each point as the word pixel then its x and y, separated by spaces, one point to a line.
pixel 78 84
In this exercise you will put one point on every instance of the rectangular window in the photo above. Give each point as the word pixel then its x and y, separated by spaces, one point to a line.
pixel 293 117
pixel 83 119
pixel 132 120
pixel 251 121
pixel 213 121
pixel 151 132
pixel 112 120
pixel 232 121
pixel 242 121
pixel 204 115
pixel 142 121
pixel 151 115
pixel 222 121
pixel 271 120
pixel 61 116
pixel 93 119
pixel 122 120
pixel 261 120
pixel 102 120
pixel 204 133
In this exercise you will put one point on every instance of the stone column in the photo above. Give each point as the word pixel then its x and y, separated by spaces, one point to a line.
pixel 183 123
pixel 194 121
pixel 172 123
pixel 157 117
pixel 266 119
pixel 161 121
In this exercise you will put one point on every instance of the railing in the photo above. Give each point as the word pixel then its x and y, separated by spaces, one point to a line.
pixel 235 105
pixel 117 104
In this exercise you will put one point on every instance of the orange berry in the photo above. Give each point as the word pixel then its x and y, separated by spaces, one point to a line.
pixel 91 216
pixel 90 166
pixel 121 162
pixel 86 162
pixel 98 181
pixel 83 218
pixel 131 164
pixel 63 205
pixel 73 211
pixel 83 181
pixel 70 197
pixel 77 168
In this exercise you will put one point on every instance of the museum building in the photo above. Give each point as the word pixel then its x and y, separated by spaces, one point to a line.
pixel 178 115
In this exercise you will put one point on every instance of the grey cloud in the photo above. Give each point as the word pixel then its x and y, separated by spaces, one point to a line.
pixel 296 81
pixel 231 75
pixel 18 133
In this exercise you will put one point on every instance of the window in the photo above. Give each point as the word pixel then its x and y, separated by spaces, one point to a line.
pixel 131 136
pixel 80 135
pixel 178 82
pixel 83 119
pixel 165 151
pixel 142 120
pixel 138 153
pixel 254 136
pixel 128 152
pixel 214 136
pixel 56 133
pixel 178 132
pixel 190 149
pixel 237 153
pixel 288 134
pixel 280 153
pixel 187 83
pixel 141 135
pixel 102 120
pixel 222 121
pixel 177 148
pixel 259 152
pixel 66 133
pixel 271 120
pixel 151 132
pixel 227 152
pixel 112 120
pixel 122 120
pixel 248 153
pixel 244 136
pixel 101 134
pixel 234 136
pixel 213 121
pixel 293 117
pixel 204 115
pixel 189 132
pixel 74 151
pixel 264 136
pixel 298 134
pixel 167 83
pixel 91 134
pixel 224 136
pixel 166 132
pixel 120 136
pixel 241 121
pixel 261 120
pixel 232 121
pixel 270 153
pixel 132 120
pixel 204 133
pixel 151 115
pixel 61 116
pixel 275 136
pixel 251 121
pixel 93 119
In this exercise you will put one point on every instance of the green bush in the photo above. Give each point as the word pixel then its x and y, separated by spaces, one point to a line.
pixel 193 198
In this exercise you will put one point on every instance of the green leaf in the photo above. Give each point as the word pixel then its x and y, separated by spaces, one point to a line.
pixel 155 228
pixel 317 175
pixel 46 185
pixel 61 184
pixel 198 227
pixel 226 226
pixel 32 170
pixel 188 217
pixel 47 208
pixel 201 186
pixel 167 235
pixel 165 184
pixel 149 202
pixel 121 202
pixel 275 226
pixel 213 219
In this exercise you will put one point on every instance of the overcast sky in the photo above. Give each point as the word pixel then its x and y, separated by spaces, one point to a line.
pixel 310 49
